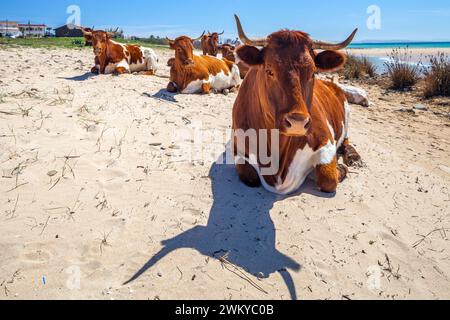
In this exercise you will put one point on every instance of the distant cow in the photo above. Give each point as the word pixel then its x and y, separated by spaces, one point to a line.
pixel 87 36
pixel 210 43
pixel 117 58
pixel 228 53
pixel 282 92
pixel 191 73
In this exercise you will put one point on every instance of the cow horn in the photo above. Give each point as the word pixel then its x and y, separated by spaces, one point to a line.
pixel 320 45
pixel 196 39
pixel 169 40
pixel 222 33
pixel 86 33
pixel 245 39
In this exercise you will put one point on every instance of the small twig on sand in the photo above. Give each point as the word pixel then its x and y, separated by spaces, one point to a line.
pixel 64 169
pixel 181 273
pixel 45 226
pixel 104 241
pixel 13 212
pixel 419 242
pixel 395 274
pixel 230 266
pixel 8 113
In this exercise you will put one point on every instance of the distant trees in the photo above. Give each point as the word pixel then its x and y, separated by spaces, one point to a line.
pixel 151 40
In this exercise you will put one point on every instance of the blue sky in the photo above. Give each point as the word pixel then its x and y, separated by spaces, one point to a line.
pixel 415 20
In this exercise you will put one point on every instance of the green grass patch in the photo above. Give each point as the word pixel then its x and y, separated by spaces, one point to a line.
pixel 70 43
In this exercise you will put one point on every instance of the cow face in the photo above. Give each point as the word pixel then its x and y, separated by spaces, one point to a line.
pixel 99 40
pixel 184 49
pixel 228 51
pixel 286 63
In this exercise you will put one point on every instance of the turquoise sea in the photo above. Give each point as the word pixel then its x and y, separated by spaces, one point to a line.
pixel 380 62
pixel 392 45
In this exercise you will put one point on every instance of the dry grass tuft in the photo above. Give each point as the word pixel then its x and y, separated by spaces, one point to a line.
pixel 402 73
pixel 437 79
pixel 358 68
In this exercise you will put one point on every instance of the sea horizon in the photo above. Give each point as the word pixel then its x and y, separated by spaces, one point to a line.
pixel 400 44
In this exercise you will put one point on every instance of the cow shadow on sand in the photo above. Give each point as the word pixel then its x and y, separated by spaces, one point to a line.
pixel 163 94
pixel 239 227
pixel 82 77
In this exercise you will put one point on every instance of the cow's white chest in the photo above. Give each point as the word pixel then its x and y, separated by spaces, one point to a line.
pixel 111 67
pixel 305 161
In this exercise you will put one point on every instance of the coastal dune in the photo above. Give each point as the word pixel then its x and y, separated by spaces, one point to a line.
pixel 96 202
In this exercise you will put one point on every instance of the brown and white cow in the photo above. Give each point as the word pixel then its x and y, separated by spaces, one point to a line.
pixel 228 53
pixel 191 73
pixel 281 92
pixel 117 58
pixel 210 43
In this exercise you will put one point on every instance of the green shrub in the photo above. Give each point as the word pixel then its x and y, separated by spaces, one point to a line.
pixel 78 43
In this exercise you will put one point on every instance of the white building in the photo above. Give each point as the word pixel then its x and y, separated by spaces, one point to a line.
pixel 9 28
pixel 33 30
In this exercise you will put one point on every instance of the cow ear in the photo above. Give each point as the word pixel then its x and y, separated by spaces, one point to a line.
pixel 250 55
pixel 330 61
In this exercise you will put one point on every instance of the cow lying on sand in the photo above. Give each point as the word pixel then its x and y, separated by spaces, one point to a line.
pixel 282 92
pixel 117 58
pixel 190 73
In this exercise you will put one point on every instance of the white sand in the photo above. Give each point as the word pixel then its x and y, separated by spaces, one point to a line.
pixel 413 54
pixel 116 195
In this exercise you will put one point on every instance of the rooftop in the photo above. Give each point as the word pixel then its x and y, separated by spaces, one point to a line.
pixel 31 25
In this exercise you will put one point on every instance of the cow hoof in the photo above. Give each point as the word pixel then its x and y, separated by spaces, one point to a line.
pixel 351 157
pixel 215 91
pixel 343 172
pixel 226 92
pixel 172 87
pixel 252 183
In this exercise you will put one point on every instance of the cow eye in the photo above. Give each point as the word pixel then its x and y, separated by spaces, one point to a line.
pixel 269 72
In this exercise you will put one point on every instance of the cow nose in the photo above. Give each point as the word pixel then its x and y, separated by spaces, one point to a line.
pixel 297 124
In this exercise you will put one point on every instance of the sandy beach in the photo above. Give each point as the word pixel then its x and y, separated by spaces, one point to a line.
pixel 92 193
pixel 385 52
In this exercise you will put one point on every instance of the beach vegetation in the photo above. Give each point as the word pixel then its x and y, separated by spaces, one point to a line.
pixel 402 72
pixel 358 68
pixel 437 78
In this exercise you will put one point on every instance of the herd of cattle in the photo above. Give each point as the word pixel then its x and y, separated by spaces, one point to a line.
pixel 279 92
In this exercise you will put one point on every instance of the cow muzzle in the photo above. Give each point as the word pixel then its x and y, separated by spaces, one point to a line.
pixel 296 124
pixel 98 51
pixel 189 62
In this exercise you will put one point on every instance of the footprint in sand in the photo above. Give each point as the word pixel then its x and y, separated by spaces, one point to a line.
pixel 38 256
